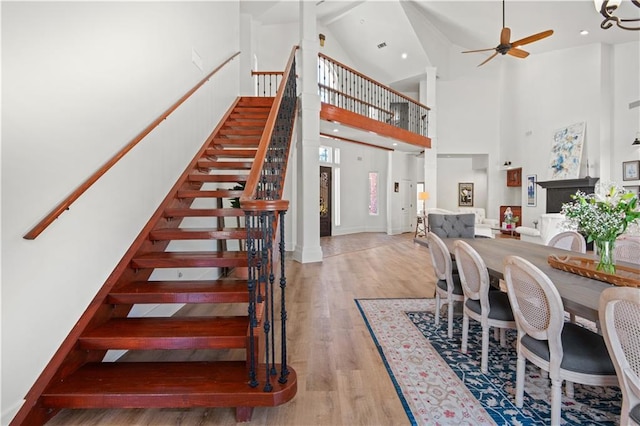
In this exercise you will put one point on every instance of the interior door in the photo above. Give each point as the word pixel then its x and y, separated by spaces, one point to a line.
pixel 325 201
pixel 408 212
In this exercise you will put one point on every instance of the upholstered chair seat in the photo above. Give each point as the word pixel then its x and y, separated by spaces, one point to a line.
pixel 457 287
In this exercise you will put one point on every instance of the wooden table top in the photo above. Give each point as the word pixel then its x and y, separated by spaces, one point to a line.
pixel 580 295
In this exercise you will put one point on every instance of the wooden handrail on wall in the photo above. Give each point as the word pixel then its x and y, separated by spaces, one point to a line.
pixel 64 205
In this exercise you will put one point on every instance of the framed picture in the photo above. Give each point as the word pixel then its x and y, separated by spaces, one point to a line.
pixel 631 170
pixel 531 190
pixel 465 194
pixel 633 189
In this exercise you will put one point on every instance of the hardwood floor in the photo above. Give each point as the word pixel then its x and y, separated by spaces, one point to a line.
pixel 341 378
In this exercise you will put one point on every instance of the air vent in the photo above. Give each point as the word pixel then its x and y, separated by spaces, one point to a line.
pixel 381 45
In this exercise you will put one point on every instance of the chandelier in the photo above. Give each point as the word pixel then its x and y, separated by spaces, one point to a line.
pixel 608 8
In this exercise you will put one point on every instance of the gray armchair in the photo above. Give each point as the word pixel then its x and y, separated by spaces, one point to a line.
pixel 452 225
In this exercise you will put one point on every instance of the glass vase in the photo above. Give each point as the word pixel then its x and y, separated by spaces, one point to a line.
pixel 606 262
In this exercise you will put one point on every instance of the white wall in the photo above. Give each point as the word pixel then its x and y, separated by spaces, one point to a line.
pixel 80 80
pixel 509 110
pixel 552 90
pixel 469 123
pixel 454 170
pixel 626 121
pixel 356 162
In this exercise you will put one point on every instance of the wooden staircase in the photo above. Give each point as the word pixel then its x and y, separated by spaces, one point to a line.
pixel 199 356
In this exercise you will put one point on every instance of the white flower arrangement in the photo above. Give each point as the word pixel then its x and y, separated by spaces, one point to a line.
pixel 603 215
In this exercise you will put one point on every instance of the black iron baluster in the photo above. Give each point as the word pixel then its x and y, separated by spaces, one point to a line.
pixel 251 283
pixel 284 370
pixel 264 219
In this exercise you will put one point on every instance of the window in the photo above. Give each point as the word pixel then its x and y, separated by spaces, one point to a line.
pixel 336 195
pixel 325 154
pixel 373 193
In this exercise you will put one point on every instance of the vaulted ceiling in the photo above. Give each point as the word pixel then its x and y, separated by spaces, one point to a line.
pixel 431 33
pixel 420 28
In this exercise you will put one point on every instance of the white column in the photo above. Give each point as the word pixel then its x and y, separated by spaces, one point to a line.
pixel 427 96
pixel 308 167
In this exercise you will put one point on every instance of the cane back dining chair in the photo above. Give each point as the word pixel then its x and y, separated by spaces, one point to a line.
pixel 620 321
pixel 627 251
pixel 448 287
pixel 489 308
pixel 567 351
pixel 569 240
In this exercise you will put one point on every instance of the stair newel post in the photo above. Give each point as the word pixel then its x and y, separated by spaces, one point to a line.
pixel 252 283
pixel 284 370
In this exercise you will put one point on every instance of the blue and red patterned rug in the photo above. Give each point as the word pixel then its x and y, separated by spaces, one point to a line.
pixel 437 384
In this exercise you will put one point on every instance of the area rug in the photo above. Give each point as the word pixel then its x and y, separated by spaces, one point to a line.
pixel 437 384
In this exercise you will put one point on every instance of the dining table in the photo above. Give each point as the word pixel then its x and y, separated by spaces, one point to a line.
pixel 580 295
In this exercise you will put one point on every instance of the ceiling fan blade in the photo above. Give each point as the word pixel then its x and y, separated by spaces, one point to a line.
pixel 518 53
pixel 532 38
pixel 481 50
pixel 488 59
pixel 505 35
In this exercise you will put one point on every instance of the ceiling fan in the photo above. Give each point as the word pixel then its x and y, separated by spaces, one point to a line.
pixel 506 47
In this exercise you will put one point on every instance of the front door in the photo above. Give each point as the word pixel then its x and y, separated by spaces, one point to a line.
pixel 325 201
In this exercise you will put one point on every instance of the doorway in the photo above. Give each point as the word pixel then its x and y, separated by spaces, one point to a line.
pixel 325 201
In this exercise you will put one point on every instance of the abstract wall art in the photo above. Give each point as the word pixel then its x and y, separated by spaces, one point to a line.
pixel 566 152
pixel 531 190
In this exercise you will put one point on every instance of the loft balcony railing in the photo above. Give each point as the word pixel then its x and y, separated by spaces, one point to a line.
pixel 343 87
pixel 346 88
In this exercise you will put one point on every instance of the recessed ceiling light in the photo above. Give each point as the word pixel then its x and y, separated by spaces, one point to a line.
pixel 404 56
pixel 395 144
pixel 584 32
pixel 335 130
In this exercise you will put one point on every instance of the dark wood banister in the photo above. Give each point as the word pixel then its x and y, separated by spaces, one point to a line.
pixel 364 77
pixel 247 200
pixel 64 205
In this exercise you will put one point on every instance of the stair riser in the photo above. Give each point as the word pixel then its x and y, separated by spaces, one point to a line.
pixel 177 213
pixel 167 385
pixel 164 343
pixel 190 263
pixel 179 298
pixel 218 178
pixel 225 165
pixel 211 235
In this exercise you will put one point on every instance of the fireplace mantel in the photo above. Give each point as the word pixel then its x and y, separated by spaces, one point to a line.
pixel 560 191
pixel 569 183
